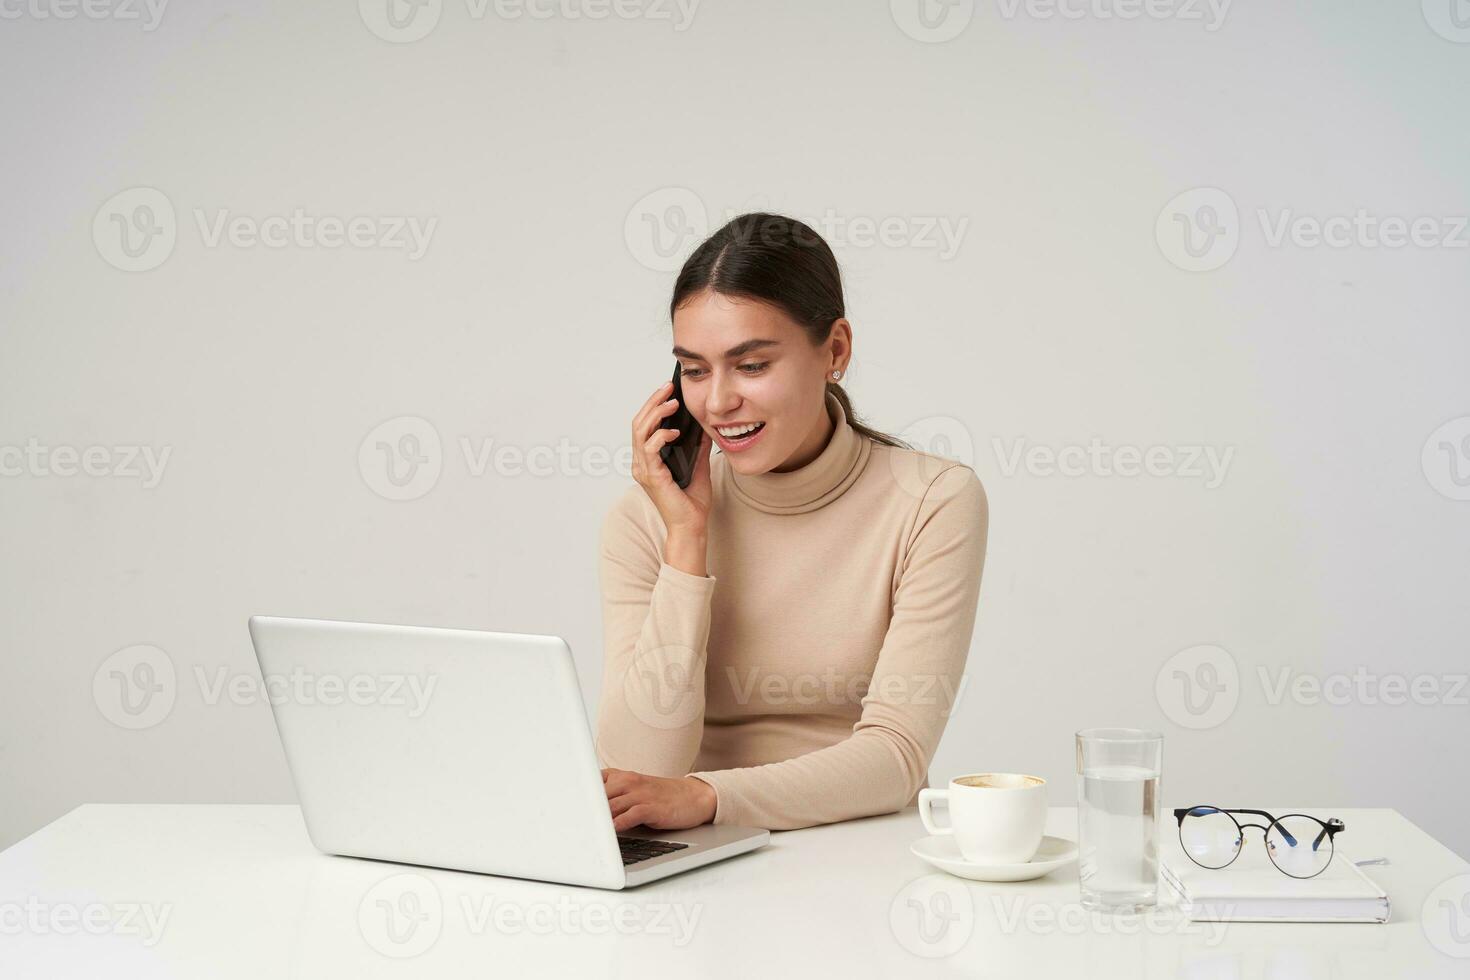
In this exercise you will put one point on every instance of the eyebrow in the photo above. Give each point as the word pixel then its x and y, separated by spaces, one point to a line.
pixel 738 350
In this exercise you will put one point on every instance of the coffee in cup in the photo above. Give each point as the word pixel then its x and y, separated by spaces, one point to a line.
pixel 995 817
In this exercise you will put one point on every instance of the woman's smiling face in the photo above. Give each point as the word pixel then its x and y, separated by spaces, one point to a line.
pixel 744 361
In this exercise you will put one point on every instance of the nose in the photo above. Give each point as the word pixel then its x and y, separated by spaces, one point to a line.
pixel 722 398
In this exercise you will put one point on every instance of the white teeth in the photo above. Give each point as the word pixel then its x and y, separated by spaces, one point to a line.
pixel 738 430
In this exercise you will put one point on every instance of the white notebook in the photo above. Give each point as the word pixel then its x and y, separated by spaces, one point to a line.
pixel 1252 890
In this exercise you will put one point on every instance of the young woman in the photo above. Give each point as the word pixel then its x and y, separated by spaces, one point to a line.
pixel 784 639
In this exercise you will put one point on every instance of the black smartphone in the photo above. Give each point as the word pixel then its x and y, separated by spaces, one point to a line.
pixel 679 455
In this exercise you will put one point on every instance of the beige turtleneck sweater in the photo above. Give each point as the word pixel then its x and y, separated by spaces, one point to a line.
pixel 809 676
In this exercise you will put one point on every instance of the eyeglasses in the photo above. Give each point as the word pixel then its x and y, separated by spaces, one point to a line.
pixel 1299 845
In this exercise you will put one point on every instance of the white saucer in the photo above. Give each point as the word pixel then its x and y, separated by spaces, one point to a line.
pixel 944 854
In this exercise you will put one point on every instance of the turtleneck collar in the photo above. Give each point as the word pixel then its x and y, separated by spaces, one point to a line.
pixel 816 484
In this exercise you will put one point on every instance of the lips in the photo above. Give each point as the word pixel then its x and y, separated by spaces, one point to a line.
pixel 741 443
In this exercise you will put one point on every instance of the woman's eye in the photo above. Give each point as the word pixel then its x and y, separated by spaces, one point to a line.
pixel 746 368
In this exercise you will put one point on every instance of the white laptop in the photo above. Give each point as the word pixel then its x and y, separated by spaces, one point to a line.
pixel 457 749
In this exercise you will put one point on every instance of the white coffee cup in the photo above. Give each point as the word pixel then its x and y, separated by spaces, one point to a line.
pixel 995 817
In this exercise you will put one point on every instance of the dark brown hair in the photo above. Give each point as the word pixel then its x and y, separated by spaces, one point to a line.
pixel 781 261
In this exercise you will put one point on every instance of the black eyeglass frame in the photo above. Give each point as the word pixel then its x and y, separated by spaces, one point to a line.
pixel 1330 829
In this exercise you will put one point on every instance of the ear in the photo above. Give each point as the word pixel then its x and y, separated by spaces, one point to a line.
pixel 840 338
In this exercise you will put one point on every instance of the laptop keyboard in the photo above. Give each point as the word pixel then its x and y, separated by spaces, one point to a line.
pixel 637 849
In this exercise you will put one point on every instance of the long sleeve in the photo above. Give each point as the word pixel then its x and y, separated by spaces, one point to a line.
pixel 655 627
pixel 917 677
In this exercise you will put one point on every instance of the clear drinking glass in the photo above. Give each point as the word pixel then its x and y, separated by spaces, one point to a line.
pixel 1118 817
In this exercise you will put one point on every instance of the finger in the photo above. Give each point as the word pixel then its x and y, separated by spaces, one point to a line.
pixel 634 816
pixel 659 394
pixel 624 803
pixel 658 436
pixel 654 419
pixel 648 408
pixel 648 462
pixel 701 458
pixel 617 783
pixel 656 441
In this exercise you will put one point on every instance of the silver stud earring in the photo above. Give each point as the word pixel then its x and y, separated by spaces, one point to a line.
pixel 836 375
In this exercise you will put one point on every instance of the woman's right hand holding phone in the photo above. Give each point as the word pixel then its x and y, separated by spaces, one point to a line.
pixel 685 512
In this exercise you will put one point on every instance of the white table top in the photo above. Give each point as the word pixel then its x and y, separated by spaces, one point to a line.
pixel 237 891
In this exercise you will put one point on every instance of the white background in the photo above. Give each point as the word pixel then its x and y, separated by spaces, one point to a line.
pixel 1334 544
